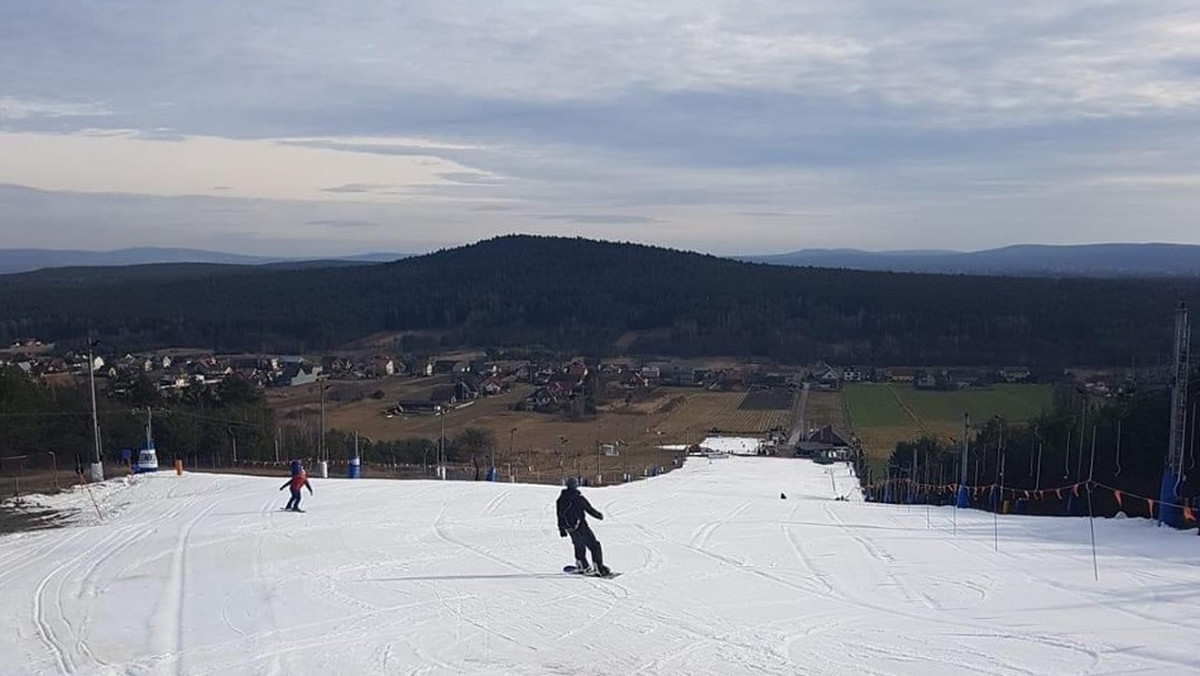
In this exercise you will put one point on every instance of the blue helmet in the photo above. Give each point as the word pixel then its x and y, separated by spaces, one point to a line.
pixel 572 482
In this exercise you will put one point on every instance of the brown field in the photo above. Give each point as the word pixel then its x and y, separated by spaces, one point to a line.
pixel 702 411
pixel 826 408
pixel 531 442
pixel 535 440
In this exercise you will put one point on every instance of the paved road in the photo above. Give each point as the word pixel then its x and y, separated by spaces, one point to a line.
pixel 800 427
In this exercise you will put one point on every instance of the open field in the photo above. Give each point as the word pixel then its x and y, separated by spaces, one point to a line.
pixel 535 441
pixel 826 408
pixel 883 414
pixel 703 411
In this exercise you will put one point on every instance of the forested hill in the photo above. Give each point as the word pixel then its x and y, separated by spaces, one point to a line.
pixel 582 295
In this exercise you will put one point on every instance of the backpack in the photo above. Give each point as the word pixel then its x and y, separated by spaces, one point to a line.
pixel 570 506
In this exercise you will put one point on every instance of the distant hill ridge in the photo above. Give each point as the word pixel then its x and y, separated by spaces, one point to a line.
pixel 580 296
pixel 1039 260
pixel 25 260
pixel 1090 260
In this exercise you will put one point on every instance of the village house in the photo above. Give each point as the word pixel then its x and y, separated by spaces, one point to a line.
pixel 1015 374
pixel 825 377
pixel 299 373
pixel 828 436
pixel 493 385
pixel 417 406
pixel 541 400
pixel 444 394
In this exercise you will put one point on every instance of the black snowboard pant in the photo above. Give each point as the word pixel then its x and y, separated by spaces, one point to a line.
pixel 585 540
pixel 294 503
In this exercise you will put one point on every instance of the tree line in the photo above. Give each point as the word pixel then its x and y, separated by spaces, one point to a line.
pixel 203 425
pixel 581 296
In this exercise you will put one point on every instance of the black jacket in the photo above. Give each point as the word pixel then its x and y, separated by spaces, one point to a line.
pixel 573 508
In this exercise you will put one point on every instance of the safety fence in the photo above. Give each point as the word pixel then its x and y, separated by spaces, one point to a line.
pixel 505 472
pixel 1065 500
pixel 34 473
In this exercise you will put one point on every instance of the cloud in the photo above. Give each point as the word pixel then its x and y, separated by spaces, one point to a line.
pixel 854 123
pixel 13 108
pixel 342 224
pixel 354 188
pixel 608 219
pixel 125 161
pixel 471 178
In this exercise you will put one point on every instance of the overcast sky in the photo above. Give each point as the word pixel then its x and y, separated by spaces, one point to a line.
pixel 325 128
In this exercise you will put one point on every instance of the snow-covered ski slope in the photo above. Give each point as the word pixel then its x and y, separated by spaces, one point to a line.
pixel 203 574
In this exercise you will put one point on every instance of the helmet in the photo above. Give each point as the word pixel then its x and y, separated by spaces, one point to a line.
pixel 572 482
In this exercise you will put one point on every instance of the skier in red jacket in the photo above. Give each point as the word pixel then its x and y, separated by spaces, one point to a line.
pixel 297 482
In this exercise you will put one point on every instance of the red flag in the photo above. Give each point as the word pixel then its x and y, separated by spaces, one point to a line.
pixel 1026 495
pixel 1150 506
pixel 1058 492
pixel 1075 490
pixel 1188 514
pixel 1117 495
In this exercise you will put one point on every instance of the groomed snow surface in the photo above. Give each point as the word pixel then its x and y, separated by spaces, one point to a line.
pixel 733 445
pixel 203 574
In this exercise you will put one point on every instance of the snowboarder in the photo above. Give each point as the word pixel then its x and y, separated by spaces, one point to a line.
pixel 297 481
pixel 573 509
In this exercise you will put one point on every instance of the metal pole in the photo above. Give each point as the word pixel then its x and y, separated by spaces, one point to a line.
pixel 962 500
pixel 1037 483
pixel 1000 445
pixel 913 486
pixel 965 444
pixel 1192 446
pixel 321 438
pixel 1091 514
pixel 1082 430
pixel 1067 459
pixel 999 501
pixel 1092 466
pixel 98 466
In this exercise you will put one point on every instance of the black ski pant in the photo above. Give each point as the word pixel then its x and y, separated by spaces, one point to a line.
pixel 294 503
pixel 585 540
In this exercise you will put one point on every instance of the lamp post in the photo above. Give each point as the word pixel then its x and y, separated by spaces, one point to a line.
pixel 97 463
pixel 962 500
pixel 512 433
pixel 562 449
pixel 442 443
pixel 321 436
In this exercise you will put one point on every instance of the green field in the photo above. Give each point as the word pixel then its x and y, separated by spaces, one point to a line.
pixel 882 414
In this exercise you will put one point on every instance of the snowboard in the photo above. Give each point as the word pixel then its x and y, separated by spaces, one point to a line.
pixel 285 509
pixel 572 570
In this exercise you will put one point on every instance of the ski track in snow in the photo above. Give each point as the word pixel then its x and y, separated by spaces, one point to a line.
pixel 202 575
